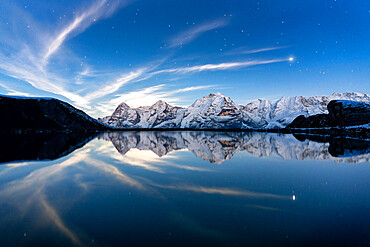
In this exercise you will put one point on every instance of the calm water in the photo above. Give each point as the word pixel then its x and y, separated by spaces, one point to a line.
pixel 183 189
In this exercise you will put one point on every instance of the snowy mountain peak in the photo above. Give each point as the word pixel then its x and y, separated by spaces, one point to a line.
pixel 160 102
pixel 218 94
pixel 160 105
pixel 124 105
pixel 212 99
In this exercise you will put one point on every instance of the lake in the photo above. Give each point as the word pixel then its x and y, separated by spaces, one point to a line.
pixel 183 188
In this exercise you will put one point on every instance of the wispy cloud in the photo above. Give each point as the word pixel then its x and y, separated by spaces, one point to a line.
pixel 44 62
pixel 14 92
pixel 147 96
pixel 264 49
pixel 27 61
pixel 244 50
pixel 220 66
pixel 150 95
pixel 48 82
pixel 117 84
pixel 99 9
pixel 191 34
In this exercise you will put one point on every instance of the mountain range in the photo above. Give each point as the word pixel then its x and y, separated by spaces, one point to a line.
pixel 217 111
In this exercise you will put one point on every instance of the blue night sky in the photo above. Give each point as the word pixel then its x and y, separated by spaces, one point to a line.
pixel 97 54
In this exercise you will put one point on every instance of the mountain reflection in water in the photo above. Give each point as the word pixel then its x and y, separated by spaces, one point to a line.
pixel 215 147
pixel 155 192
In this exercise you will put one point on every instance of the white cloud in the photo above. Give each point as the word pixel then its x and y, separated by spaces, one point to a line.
pixel 152 94
pixel 35 59
pixel 41 80
pixel 25 60
pixel 13 92
pixel 193 33
pixel 244 50
pixel 220 66
pixel 263 49
pixel 100 9
pixel 117 84
pixel 146 97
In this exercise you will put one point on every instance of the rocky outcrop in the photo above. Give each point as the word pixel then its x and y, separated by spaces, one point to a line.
pixel 43 114
pixel 315 121
pixel 348 113
pixel 342 113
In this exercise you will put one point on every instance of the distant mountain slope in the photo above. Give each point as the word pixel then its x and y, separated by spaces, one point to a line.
pixel 217 111
pixel 43 114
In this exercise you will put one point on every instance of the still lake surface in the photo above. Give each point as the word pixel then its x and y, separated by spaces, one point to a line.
pixel 183 189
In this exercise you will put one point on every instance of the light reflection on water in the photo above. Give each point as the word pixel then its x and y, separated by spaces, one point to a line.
pixel 164 189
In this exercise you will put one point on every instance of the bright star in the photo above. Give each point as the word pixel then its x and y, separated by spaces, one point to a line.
pixel 291 59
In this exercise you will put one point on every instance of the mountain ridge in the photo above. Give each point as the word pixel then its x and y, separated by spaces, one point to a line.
pixel 216 111
pixel 49 114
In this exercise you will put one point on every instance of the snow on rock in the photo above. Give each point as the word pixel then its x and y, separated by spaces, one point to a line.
pixel 217 111
pixel 278 114
pixel 159 115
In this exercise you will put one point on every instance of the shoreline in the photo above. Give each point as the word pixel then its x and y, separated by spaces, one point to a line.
pixel 349 132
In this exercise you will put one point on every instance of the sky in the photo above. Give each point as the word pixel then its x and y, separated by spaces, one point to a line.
pixel 97 54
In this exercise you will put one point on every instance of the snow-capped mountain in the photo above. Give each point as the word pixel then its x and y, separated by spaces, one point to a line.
pixel 280 113
pixel 159 115
pixel 217 111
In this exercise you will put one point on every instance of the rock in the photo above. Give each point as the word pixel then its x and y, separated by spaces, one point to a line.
pixel 342 113
pixel 348 113
pixel 315 121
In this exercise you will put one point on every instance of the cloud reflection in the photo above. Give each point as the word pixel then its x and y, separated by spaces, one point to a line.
pixel 53 215
pixel 222 191
pixel 147 163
